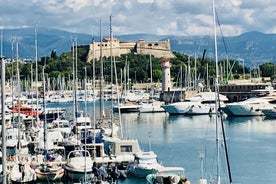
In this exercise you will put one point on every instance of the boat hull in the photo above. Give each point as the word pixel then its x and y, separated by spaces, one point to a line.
pixel 76 174
pixel 126 109
pixel 269 112
pixel 190 109
pixel 51 175
pixel 242 110
pixel 22 174
pixel 141 172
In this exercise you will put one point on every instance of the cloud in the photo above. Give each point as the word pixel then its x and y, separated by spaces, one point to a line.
pixel 145 1
pixel 176 17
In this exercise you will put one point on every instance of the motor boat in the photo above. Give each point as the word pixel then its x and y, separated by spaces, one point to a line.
pixel 145 163
pixel 199 104
pixel 250 107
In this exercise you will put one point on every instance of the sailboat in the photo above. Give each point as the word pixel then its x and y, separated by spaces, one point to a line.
pixel 21 171
pixel 151 105
pixel 219 119
pixel 48 171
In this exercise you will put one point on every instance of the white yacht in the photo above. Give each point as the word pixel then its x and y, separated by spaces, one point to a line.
pixel 250 107
pixel 151 107
pixel 201 103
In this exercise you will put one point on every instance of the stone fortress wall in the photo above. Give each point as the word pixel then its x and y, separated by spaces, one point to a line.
pixel 159 49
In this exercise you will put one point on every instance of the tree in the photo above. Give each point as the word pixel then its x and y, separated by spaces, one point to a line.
pixel 54 54
pixel 267 69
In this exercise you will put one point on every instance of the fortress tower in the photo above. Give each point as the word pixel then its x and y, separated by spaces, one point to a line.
pixel 166 75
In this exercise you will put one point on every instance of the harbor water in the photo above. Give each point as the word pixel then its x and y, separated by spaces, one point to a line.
pixel 178 140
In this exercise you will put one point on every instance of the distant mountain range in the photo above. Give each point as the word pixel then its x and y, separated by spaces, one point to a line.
pixel 252 47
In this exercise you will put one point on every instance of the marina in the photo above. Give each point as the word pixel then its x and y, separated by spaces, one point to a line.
pixel 180 103
pixel 178 140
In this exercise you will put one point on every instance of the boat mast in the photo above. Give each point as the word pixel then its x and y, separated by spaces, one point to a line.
pixel 18 98
pixel 3 96
pixel 195 77
pixel 32 95
pixel 102 114
pixel 151 85
pixel 85 115
pixel 76 77
pixel 94 100
pixel 217 94
pixel 12 77
pixel 45 115
pixel 111 72
pixel 36 75
pixel 218 113
pixel 74 83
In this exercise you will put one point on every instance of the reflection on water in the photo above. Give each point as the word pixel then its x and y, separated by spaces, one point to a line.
pixel 257 124
pixel 178 140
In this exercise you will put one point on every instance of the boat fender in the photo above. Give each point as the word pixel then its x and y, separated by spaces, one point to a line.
pixel 10 158
pixel 175 179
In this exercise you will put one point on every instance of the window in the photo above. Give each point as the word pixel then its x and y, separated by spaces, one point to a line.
pixel 126 148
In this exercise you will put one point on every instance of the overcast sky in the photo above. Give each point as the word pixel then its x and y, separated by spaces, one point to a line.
pixel 162 17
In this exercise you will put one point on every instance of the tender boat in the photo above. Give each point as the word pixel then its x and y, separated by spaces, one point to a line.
pixel 79 163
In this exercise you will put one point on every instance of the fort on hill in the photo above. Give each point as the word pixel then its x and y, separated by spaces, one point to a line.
pixel 159 49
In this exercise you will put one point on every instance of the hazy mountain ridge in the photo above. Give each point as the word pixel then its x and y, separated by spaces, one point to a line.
pixel 253 47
